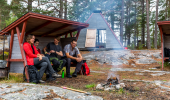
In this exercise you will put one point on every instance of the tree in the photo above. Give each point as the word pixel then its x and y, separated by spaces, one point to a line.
pixel 29 5
pixel 61 9
pixel 148 33
pixel 122 20
pixel 143 23
pixel 156 19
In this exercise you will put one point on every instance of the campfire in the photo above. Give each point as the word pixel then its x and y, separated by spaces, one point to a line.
pixel 111 84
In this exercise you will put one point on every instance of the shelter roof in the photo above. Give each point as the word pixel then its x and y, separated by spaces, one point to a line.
pixel 165 27
pixel 43 25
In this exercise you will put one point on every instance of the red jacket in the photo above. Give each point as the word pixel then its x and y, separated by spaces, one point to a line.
pixel 29 53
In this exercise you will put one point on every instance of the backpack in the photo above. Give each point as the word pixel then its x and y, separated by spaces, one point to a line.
pixel 166 52
pixel 85 69
pixel 33 74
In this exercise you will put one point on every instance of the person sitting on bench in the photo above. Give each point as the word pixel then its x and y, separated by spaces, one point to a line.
pixel 69 51
pixel 33 57
pixel 54 52
pixel 36 43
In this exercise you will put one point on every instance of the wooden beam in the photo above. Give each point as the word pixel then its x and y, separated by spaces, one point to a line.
pixel 71 34
pixel 39 27
pixel 66 35
pixel 16 23
pixel 15 60
pixel 11 46
pixel 18 32
pixel 23 31
pixel 66 32
pixel 52 31
pixel 78 34
pixel 160 27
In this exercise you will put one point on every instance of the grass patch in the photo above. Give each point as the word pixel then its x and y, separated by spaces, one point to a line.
pixel 13 78
pixel 90 85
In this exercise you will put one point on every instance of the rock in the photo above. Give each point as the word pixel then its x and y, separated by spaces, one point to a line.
pixel 122 85
pixel 56 99
pixel 157 55
pixel 157 82
pixel 93 98
pixel 118 86
pixel 122 69
pixel 158 74
pixel 139 73
pixel 99 87
pixel 109 88
pixel 146 61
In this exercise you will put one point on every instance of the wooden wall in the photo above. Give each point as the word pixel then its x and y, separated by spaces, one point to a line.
pixel 16 67
pixel 167 41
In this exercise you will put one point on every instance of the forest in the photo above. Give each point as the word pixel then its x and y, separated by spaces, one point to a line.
pixel 133 21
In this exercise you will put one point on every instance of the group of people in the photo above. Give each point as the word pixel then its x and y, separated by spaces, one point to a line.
pixel 53 59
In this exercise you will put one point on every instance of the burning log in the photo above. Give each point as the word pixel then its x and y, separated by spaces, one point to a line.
pixel 111 84
pixel 112 81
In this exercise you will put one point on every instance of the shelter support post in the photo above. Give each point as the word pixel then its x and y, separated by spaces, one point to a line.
pixel 11 45
pixel 23 31
pixel 78 34
pixel 20 40
pixel 162 46
pixel 66 35
pixel 71 34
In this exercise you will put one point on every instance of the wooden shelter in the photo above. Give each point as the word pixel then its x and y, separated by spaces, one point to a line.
pixel 98 35
pixel 45 28
pixel 164 27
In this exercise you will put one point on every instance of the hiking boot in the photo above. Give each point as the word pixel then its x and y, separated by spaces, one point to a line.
pixel 56 75
pixel 74 74
pixel 41 81
pixel 50 79
pixel 68 76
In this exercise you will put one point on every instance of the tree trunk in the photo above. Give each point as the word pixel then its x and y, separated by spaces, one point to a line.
pixel 143 24
pixel 137 31
pixel 61 9
pixel 65 13
pixel 135 28
pixel 147 20
pixel 129 27
pixel 29 5
pixel 121 25
pixel 112 20
pixel 126 27
pixel 156 32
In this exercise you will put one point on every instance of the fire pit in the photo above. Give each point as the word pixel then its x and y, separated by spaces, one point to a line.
pixel 111 84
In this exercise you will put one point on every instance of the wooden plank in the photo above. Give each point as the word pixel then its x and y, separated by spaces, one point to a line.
pixel 18 33
pixel 71 34
pixel 90 38
pixel 66 32
pixel 54 30
pixel 162 46
pixel 39 27
pixel 66 35
pixel 78 34
pixel 23 31
pixel 59 20
pixel 15 24
pixel 11 45
pixel 16 60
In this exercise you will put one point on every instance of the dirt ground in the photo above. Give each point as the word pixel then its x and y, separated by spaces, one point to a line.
pixel 132 91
